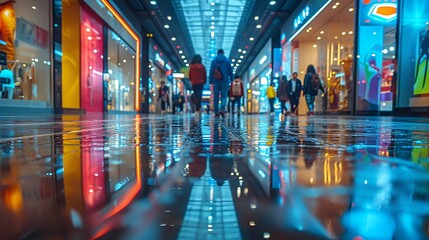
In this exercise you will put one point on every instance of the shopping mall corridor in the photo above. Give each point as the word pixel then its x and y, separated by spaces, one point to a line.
pixel 200 177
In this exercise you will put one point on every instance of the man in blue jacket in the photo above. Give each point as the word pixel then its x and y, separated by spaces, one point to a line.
pixel 220 76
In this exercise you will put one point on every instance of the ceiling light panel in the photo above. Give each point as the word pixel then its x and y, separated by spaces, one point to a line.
pixel 199 17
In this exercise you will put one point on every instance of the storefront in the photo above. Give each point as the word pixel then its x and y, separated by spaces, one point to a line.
pixel 160 69
pixel 25 30
pixel 376 56
pixel 321 33
pixel 412 68
pixel 259 79
pixel 104 75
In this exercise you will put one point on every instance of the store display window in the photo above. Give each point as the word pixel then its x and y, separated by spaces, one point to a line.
pixel 321 33
pixel 376 52
pixel 25 39
pixel 121 74
pixel 413 55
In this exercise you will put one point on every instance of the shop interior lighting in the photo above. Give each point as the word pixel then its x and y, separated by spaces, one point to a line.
pixel 127 27
pixel 258 26
pixel 34 7
pixel 319 38
pixel 153 2
pixel 322 32
pixel 251 39
pixel 351 9
pixel 272 3
pixel 169 18
pixel 243 52
pixel 350 32
pixel 309 21
pixel 173 39
pixel 166 26
pixel 256 18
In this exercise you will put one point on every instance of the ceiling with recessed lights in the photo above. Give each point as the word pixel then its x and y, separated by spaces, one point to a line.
pixel 183 28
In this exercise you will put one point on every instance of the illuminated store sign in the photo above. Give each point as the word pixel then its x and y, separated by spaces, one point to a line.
pixel 159 59
pixel 301 17
pixel 376 13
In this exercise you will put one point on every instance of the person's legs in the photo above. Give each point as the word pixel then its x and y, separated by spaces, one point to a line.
pixel 293 105
pixel 198 90
pixel 271 102
pixel 238 101
pixel 162 105
pixel 310 102
pixel 283 107
pixel 224 97
pixel 216 91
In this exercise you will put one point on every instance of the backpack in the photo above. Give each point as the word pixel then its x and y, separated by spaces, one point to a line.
pixel 315 82
pixel 236 89
pixel 217 74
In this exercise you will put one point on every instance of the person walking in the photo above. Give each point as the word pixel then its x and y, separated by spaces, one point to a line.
pixel 312 84
pixel 283 95
pixel 236 92
pixel 295 87
pixel 220 76
pixel 271 95
pixel 198 77
pixel 163 96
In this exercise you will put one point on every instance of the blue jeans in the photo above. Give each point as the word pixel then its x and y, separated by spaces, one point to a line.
pixel 221 89
pixel 310 101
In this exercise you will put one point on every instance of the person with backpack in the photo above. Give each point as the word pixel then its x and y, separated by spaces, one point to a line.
pixel 198 77
pixel 220 76
pixel 295 87
pixel 283 95
pixel 236 92
pixel 312 84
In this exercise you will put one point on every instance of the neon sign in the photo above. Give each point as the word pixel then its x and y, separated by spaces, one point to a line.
pixel 301 17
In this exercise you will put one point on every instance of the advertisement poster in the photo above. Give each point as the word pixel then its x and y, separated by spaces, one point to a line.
pixel 421 81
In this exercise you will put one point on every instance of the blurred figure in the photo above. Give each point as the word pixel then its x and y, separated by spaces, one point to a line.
pixel 283 92
pixel 312 84
pixel 221 169
pixel 178 101
pixel 271 95
pixel 295 87
pixel 236 92
pixel 163 93
pixel 198 77
pixel 220 76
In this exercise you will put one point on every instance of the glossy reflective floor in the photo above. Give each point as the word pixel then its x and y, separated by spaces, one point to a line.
pixel 187 177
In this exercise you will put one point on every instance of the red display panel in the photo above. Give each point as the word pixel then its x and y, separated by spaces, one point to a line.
pixel 91 63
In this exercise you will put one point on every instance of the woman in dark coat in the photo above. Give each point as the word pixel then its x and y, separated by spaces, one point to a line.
pixel 312 84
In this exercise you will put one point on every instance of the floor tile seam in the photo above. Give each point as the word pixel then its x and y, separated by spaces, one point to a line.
pixel 57 133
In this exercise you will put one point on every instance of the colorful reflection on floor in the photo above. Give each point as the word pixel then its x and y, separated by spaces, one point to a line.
pixel 187 177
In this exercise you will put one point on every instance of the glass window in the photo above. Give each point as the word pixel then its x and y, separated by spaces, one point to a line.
pixel 376 50
pixel 413 74
pixel 25 37
pixel 121 72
